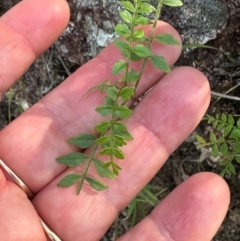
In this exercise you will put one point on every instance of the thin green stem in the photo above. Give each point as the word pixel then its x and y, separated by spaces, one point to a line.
pixel 88 165
pixel 131 41
pixel 157 16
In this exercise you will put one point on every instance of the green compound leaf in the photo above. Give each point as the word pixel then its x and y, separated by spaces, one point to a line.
pixel 103 126
pixel 123 112
pixel 127 93
pixel 142 21
pixel 104 110
pixel 141 51
pixel 69 180
pixel 126 16
pixel 112 152
pixel 102 170
pixel 112 92
pixel 160 63
pixel 167 39
pixel 128 5
pixel 95 184
pixel 73 159
pixel 122 29
pixel 172 3
pixel 84 140
pixel 119 67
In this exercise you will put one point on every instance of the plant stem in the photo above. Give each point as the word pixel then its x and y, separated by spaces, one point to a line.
pixel 157 16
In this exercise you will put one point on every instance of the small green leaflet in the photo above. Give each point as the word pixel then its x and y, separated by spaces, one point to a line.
pixel 138 34
pixel 141 51
pixel 128 5
pixel 95 184
pixel 146 8
pixel 102 170
pixel 119 140
pixel 122 29
pixel 119 67
pixel 73 159
pixel 109 102
pixel 235 134
pixel 103 140
pixel 103 126
pixel 167 39
pixel 172 3
pixel 104 110
pixel 122 46
pixel 112 152
pixel 142 21
pixel 123 112
pixel 126 16
pixel 126 93
pixel 160 63
pixel 84 140
pixel 69 180
pixel 133 76
pixel 116 168
pixel 112 92
pixel 200 140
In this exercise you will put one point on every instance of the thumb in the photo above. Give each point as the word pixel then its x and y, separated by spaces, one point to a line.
pixel 18 220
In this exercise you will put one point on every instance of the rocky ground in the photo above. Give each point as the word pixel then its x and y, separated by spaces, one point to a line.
pixel 215 22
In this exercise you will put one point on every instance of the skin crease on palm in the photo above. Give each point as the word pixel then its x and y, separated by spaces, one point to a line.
pixel 31 143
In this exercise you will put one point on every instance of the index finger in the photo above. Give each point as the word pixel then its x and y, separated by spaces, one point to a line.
pixel 21 40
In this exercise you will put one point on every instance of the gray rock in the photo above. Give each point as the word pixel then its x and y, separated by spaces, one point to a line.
pixel 198 21
pixel 92 24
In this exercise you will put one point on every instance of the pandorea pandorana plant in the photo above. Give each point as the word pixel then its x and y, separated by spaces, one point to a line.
pixel 113 133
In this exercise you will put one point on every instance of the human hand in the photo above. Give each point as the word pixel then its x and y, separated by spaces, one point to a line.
pixel 31 143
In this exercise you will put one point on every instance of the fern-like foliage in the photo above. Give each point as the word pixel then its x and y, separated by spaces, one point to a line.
pixel 113 133
pixel 224 141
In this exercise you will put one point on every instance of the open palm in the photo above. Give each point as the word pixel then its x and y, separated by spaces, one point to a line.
pixel 31 143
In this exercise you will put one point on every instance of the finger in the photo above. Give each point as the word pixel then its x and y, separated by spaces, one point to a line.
pixel 25 32
pixel 193 211
pixel 18 220
pixel 64 113
pixel 164 118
